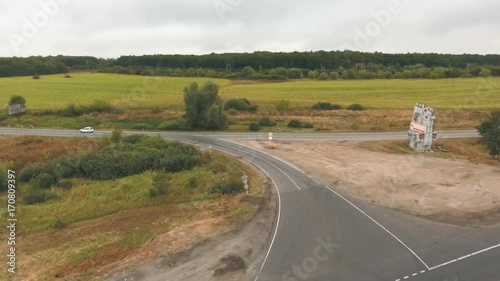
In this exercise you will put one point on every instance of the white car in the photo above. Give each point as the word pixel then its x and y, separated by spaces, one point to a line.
pixel 87 130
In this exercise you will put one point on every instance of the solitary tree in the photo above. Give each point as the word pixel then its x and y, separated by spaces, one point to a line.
pixel 248 71
pixel 17 100
pixel 485 72
pixel 204 107
pixel 490 131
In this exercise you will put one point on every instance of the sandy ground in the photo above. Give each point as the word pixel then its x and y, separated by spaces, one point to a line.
pixel 450 191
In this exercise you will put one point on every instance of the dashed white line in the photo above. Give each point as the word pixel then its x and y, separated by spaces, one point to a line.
pixel 345 199
pixel 464 257
pixel 368 216
pixel 455 260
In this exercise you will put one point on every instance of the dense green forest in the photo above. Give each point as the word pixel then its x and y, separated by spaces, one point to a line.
pixel 267 65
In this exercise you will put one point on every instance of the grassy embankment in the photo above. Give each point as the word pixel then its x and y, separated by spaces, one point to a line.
pixel 147 101
pixel 84 229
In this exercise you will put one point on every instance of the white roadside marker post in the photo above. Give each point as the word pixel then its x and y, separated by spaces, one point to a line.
pixel 245 182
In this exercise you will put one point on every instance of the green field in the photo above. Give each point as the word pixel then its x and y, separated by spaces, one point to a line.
pixel 376 94
pixel 127 91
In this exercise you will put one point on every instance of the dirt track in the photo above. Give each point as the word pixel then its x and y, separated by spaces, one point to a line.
pixel 451 191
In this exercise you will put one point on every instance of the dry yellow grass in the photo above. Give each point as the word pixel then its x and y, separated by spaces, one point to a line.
pixel 469 149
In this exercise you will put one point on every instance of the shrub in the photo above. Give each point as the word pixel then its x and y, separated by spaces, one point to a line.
pixel 232 111
pixel 31 171
pixel 355 107
pixel 70 111
pixel 326 106
pixel 116 135
pixel 43 112
pixel 267 122
pixel 179 163
pixel 275 77
pixel 253 108
pixel 308 125
pixel 254 127
pixel 141 126
pixel 227 187
pixel 134 139
pixel 294 124
pixel 36 196
pixel 256 76
pixel 490 133
pixel 172 125
pixel 43 181
pixel 16 99
pixel 323 76
pixel 238 104
pixel 97 106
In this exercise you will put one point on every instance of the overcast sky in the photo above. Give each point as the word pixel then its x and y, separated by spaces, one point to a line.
pixel 110 28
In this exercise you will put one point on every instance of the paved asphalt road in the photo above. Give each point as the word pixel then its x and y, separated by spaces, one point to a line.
pixel 323 234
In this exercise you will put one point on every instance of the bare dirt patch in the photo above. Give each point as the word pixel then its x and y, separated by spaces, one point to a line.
pixel 448 190
pixel 222 256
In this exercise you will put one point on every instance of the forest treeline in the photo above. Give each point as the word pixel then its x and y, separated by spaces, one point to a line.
pixel 268 65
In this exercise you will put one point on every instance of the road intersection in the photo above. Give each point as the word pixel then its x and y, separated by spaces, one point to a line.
pixel 323 234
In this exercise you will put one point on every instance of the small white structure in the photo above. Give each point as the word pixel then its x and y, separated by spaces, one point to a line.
pixel 421 131
pixel 16 109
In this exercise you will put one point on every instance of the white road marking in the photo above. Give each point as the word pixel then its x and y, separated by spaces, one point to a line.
pixel 456 260
pixel 286 175
pixel 345 199
pixel 270 155
pixel 464 257
pixel 279 212
pixel 376 222
pixel 356 207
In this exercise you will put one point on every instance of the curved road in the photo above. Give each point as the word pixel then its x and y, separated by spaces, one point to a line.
pixel 323 234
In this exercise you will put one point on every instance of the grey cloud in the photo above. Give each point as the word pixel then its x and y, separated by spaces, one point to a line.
pixel 113 28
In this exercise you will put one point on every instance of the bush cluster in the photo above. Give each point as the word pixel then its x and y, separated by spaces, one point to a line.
pixel 296 124
pixel 254 127
pixel 99 106
pixel 267 122
pixel 326 106
pixel 240 105
pixel 231 186
pixel 133 155
pixel 356 107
